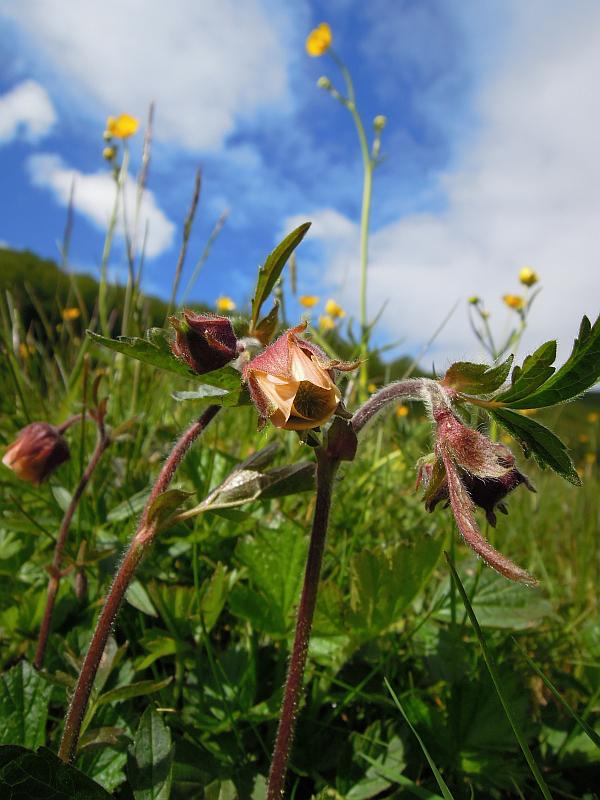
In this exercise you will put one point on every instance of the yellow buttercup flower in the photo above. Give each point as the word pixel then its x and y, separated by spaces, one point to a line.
pixel 402 411
pixel 326 323
pixel 122 127
pixel 308 300
pixel 593 416
pixel 319 40
pixel 514 301
pixel 334 310
pixel 71 313
pixel 590 458
pixel 225 304
pixel 528 277
pixel 372 388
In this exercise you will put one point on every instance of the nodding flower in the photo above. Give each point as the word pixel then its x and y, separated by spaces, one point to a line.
pixel 292 382
pixel 468 469
pixel 204 341
pixel 36 452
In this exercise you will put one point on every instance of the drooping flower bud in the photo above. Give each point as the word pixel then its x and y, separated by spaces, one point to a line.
pixel 468 469
pixel 36 452
pixel 204 341
pixel 292 382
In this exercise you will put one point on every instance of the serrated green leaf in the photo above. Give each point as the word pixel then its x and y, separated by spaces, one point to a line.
pixel 536 439
pixel 155 349
pixel 150 762
pixel 579 372
pixel 535 370
pixel 25 775
pixel 464 376
pixel 24 698
pixel 272 268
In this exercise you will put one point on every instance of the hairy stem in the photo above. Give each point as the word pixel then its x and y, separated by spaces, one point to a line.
pixel 402 390
pixel 55 570
pixel 142 540
pixel 326 469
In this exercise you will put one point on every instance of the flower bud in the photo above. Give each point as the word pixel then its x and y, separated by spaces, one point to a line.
pixel 36 452
pixel 324 83
pixel 379 122
pixel 291 383
pixel 206 342
pixel 109 153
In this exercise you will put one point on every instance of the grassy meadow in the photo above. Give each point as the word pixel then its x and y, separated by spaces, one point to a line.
pixel 417 683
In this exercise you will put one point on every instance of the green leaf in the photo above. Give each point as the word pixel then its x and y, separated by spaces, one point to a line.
pixel 214 593
pixel 275 564
pixel 494 675
pixel 221 790
pixel 130 507
pixel 155 349
pixel 383 581
pixel 25 775
pixel 150 762
pixel 209 395
pixel 464 376
pixel 272 268
pixel 580 372
pixel 446 793
pixel 130 690
pixel 24 698
pixel 166 503
pixel 267 326
pixel 137 596
pixel 547 449
pixel 535 370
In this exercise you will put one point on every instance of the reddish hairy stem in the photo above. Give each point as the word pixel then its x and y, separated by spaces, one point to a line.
pixel 71 421
pixel 61 540
pixel 143 538
pixel 326 469
pixel 408 390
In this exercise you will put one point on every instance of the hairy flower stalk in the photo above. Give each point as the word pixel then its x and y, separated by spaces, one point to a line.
pixel 142 540
pixel 102 443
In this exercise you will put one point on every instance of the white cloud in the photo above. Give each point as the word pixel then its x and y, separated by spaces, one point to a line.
pixel 94 197
pixel 26 110
pixel 526 192
pixel 205 64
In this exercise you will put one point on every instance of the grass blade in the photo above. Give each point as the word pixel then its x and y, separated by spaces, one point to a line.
pixel 491 665
pixel 446 793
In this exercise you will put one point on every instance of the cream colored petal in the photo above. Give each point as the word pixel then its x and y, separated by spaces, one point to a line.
pixel 307 368
pixel 280 394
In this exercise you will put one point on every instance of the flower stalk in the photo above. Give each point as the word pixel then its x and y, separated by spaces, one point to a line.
pixel 102 443
pixel 141 542
pixel 326 469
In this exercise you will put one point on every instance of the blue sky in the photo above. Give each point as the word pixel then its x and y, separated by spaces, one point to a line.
pixel 491 146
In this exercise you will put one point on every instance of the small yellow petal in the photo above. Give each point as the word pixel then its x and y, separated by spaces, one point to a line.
pixel 308 300
pixel 122 127
pixel 326 323
pixel 514 301
pixel 319 40
pixel 334 310
pixel 402 411
pixel 593 416
pixel 528 277
pixel 372 388
pixel 71 313
pixel 225 304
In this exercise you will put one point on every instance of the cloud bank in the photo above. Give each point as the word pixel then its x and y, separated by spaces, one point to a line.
pixel 204 64
pixel 525 192
pixel 94 197
pixel 27 111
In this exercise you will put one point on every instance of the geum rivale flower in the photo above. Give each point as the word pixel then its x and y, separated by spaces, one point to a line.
pixel 292 382
pixel 36 452
pixel 467 469
pixel 205 342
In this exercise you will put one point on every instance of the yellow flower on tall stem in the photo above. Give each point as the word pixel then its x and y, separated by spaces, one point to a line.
pixel 225 303
pixel 514 301
pixel 122 127
pixel 334 310
pixel 70 314
pixel 528 277
pixel 326 323
pixel 308 300
pixel 319 40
